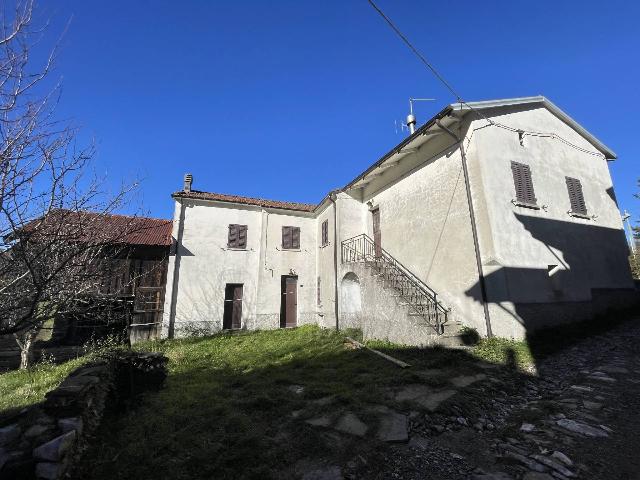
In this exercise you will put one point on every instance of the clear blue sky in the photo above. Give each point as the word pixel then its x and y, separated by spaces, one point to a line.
pixel 290 99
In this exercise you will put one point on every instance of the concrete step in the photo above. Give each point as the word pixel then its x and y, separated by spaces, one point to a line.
pixel 449 341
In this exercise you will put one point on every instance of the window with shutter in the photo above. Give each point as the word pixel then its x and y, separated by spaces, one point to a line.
pixel 576 197
pixel 291 238
pixel 523 184
pixel 325 233
pixel 237 236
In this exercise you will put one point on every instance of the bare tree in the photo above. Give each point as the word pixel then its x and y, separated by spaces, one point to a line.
pixel 50 250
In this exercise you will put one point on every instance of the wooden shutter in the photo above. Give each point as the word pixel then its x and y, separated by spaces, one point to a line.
pixel 286 237
pixel 576 197
pixel 233 236
pixel 290 237
pixel 523 183
pixel 325 232
pixel 242 236
pixel 237 236
pixel 295 237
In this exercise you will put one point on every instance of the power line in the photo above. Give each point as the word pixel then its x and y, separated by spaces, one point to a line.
pixel 415 50
pixel 459 98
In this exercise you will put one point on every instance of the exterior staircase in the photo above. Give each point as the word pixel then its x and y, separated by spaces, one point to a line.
pixel 419 300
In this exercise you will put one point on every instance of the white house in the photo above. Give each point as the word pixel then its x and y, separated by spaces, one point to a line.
pixel 498 215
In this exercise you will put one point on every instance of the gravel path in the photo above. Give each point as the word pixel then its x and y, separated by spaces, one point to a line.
pixel 578 418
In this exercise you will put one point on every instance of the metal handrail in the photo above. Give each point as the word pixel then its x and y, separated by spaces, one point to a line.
pixel 362 248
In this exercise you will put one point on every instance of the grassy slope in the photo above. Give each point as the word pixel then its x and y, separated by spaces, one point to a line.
pixel 20 388
pixel 225 411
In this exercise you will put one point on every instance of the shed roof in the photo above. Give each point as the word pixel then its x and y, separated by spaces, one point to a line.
pixel 121 229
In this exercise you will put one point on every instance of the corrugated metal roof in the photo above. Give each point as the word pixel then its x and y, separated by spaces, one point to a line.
pixel 145 231
pixel 121 229
pixel 260 202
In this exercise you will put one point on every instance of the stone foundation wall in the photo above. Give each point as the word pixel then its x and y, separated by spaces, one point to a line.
pixel 42 441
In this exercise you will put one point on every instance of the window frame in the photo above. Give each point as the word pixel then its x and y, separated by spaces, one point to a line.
pixel 234 243
pixel 293 233
pixel 576 198
pixel 525 195
pixel 325 233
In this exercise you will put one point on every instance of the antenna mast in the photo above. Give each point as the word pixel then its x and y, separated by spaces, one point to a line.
pixel 411 118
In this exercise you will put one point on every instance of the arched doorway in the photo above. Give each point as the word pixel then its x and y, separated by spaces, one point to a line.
pixel 350 301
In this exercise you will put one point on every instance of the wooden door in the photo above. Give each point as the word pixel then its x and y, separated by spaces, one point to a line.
pixel 147 314
pixel 377 238
pixel 289 303
pixel 232 318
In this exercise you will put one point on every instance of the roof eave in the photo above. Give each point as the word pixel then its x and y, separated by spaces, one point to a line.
pixel 608 153
pixel 407 141
pixel 182 195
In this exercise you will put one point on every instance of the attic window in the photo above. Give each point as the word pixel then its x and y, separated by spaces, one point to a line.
pixel 576 197
pixel 523 184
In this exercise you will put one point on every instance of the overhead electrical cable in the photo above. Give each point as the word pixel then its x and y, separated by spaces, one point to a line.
pixel 458 97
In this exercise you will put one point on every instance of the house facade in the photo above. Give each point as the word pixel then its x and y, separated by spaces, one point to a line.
pixel 496 215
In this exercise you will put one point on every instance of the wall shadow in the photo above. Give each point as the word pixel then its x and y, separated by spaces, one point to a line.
pixel 586 280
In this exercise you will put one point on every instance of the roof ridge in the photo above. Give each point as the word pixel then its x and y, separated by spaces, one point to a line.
pixel 257 201
pixel 253 198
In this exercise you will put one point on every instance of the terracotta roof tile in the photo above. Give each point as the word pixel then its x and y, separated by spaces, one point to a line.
pixel 221 197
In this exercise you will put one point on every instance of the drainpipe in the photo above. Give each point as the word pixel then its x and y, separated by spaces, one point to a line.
pixel 332 197
pixel 474 229
pixel 176 271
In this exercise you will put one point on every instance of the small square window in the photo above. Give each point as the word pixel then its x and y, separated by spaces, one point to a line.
pixel 291 238
pixel 237 236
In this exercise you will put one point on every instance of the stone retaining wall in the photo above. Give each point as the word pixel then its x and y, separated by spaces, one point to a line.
pixel 41 441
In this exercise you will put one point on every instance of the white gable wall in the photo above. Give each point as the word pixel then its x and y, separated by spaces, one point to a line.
pixel 520 244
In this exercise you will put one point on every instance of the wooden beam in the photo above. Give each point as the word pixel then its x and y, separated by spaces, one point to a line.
pixel 400 363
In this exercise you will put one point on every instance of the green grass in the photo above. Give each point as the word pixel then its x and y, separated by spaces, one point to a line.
pixel 225 411
pixel 504 351
pixel 20 388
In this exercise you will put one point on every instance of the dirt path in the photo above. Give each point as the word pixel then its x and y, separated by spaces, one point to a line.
pixel 579 418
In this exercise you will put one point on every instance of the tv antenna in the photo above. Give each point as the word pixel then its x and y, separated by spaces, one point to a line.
pixel 411 118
